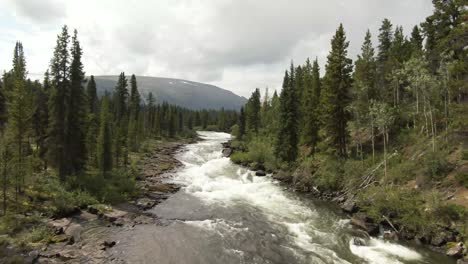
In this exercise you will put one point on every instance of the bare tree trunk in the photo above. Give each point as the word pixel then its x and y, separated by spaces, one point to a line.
pixel 373 140
pixel 432 128
pixel 385 153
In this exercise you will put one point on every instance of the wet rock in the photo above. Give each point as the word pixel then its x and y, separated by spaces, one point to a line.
pixel 357 241
pixel 363 222
pixel 455 251
pixel 59 225
pixel 390 235
pixel 227 152
pixel 349 206
pixel 107 244
pixel 260 173
pixel 256 166
pixel 441 238
pixel 282 176
pixel 113 215
pixel 145 203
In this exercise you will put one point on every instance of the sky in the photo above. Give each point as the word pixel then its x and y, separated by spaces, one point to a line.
pixel 238 45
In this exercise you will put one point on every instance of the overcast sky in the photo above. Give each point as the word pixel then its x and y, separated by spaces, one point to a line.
pixel 236 44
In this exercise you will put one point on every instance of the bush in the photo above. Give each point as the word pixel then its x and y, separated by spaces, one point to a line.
pixel 259 149
pixel 462 178
pixel 330 174
pixel 448 213
pixel 464 154
pixel 404 206
pixel 436 165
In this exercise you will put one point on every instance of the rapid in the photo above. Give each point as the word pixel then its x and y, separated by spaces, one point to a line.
pixel 225 214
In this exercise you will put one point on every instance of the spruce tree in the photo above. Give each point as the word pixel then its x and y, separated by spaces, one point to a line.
pixel 75 143
pixel 383 65
pixel 416 41
pixel 335 96
pixel 104 142
pixel 58 99
pixel 252 112
pixel 241 123
pixel 91 93
pixel 41 117
pixel 311 97
pixel 20 114
pixel 286 148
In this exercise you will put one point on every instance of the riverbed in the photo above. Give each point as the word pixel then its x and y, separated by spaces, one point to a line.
pixel 224 214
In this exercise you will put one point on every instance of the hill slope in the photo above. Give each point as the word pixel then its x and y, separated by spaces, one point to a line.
pixel 184 93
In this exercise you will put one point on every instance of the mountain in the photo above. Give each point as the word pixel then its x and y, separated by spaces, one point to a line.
pixel 184 93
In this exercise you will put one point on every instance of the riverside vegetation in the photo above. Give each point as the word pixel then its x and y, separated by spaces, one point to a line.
pixel 64 148
pixel 386 136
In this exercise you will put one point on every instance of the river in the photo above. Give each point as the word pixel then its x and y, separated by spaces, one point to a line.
pixel 224 215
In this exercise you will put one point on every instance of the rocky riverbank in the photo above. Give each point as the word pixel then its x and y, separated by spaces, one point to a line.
pixel 445 240
pixel 84 236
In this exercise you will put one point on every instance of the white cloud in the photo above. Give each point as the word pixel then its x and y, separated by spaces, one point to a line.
pixel 236 44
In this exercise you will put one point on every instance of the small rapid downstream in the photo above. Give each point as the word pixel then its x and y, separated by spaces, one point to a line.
pixel 224 214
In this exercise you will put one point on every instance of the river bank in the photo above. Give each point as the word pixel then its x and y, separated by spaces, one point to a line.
pixel 85 235
pixel 444 240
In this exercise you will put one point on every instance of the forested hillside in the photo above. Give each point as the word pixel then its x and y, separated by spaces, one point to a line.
pixel 387 132
pixel 188 94
pixel 63 147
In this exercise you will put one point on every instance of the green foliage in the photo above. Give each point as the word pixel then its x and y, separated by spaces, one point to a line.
pixel 258 150
pixel 330 174
pixel 436 165
pixel 462 178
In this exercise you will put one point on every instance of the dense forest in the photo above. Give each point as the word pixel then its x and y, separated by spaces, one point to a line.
pixel 389 130
pixel 63 146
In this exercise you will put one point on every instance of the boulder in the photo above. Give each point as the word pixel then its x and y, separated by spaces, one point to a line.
pixel 363 222
pixel 256 166
pixel 349 206
pixel 145 203
pixel 462 261
pixel 357 241
pixel 107 244
pixel 227 152
pixel 441 238
pixel 390 235
pixel 455 251
pixel 260 173
pixel 59 225
pixel 113 215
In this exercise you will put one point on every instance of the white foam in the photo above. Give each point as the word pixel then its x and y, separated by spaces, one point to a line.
pixel 383 252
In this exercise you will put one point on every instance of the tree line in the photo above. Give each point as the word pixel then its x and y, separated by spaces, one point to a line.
pixel 416 82
pixel 61 126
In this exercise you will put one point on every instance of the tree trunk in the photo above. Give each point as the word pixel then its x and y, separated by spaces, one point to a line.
pixel 373 140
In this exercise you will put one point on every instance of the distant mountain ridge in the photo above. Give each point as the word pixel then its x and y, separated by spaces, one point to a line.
pixel 192 95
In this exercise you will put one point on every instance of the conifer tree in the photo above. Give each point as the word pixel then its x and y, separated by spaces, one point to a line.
pixel 134 114
pixel 311 104
pixel 20 114
pixel 242 123
pixel 416 42
pixel 336 92
pixel 383 65
pixel 91 93
pixel 75 143
pixel 104 142
pixel 286 148
pixel 252 112
pixel 41 117
pixel 57 104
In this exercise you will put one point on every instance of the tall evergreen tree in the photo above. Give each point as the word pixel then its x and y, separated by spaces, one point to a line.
pixel 104 142
pixel 335 95
pixel 242 124
pixel 58 100
pixel 311 104
pixel 286 148
pixel 383 65
pixel 91 93
pixel 252 112
pixel 75 147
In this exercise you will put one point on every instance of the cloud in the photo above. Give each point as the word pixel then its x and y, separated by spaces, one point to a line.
pixel 44 11
pixel 236 44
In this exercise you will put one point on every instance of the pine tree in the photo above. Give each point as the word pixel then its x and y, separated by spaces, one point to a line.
pixel 91 93
pixel 20 114
pixel 311 104
pixel 416 41
pixel 335 93
pixel 383 65
pixel 41 117
pixel 75 142
pixel 58 99
pixel 104 142
pixel 241 122
pixel 134 114
pixel 252 112
pixel 286 148
pixel 3 106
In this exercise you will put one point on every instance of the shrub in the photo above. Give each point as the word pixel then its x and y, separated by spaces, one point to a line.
pixel 436 165
pixel 330 174
pixel 462 178
pixel 464 154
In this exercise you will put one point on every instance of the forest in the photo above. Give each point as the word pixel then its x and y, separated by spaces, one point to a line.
pixel 63 146
pixel 389 131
